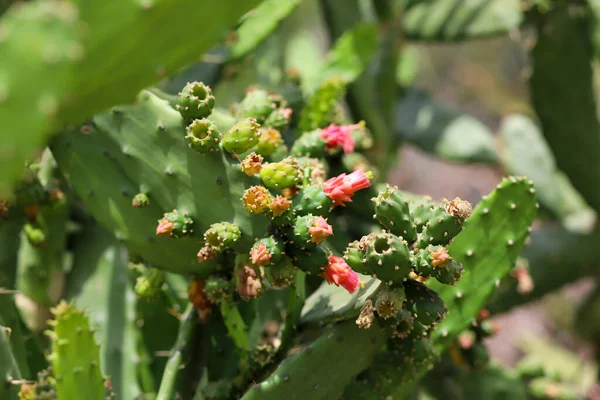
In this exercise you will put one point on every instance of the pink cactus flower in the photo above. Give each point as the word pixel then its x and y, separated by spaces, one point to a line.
pixel 260 255
pixel 340 274
pixel 320 230
pixel 341 188
pixel 339 136
pixel 165 227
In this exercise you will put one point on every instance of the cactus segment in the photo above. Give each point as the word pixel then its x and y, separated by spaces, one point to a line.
pixel 257 104
pixel 427 307
pixel 242 136
pixel 420 210
pixel 310 144
pixel 203 135
pixel 312 261
pixel 281 274
pixel 388 257
pixel 312 200
pixel 222 235
pixel 393 213
pixel 218 290
pixel 195 101
pixel 269 142
pixel 75 355
pixel 279 119
pixel 310 370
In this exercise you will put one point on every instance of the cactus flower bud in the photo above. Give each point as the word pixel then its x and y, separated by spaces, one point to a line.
pixel 439 256
pixel 266 251
pixel 279 119
pixel 140 200
pixel 174 224
pixel 320 230
pixel 252 164
pixel 256 199
pixel 206 253
pixel 340 274
pixel 336 136
pixel 260 255
pixel 341 188
pixel 279 205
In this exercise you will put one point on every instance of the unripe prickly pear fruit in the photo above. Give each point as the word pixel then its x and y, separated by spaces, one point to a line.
pixel 267 251
pixel 426 304
pixel 149 284
pixel 281 273
pixel 389 302
pixel 449 273
pixel 175 224
pixel 248 278
pixel 222 235
pixel 388 257
pixel 315 169
pixel 140 200
pixel 420 213
pixel 279 119
pixel 323 108
pixel 251 164
pixel 309 231
pixel 392 212
pixel 355 256
pixel 445 222
pixel 203 135
pixel 218 290
pixel 269 141
pixel 429 259
pixel 310 144
pixel 256 199
pixel 241 137
pixel 257 104
pixel 195 101
pixel 281 175
pixel 312 200
pixel 404 323
pixel 312 262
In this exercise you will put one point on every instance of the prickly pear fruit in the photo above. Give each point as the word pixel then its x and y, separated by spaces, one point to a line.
pixel 281 274
pixel 449 273
pixel 420 212
pixel 35 235
pixel 256 199
pixel 312 200
pixel 257 104
pixel 269 141
pixel 416 350
pixel 222 235
pixel 279 119
pixel 427 306
pixel 312 262
pixel 310 144
pixel 355 256
pixel 430 259
pixel 389 302
pixel 75 355
pixel 393 213
pixel 140 200
pixel 315 169
pixel 281 175
pixel 175 224
pixel 248 278
pixel 388 257
pixel 218 290
pixel 309 231
pixel 340 274
pixel 251 164
pixel 195 101
pixel 404 322
pixel 445 222
pixel 149 284
pixel 203 135
pixel 241 137
pixel 267 251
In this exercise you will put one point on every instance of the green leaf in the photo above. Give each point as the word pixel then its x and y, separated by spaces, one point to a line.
pixel 62 62
pixel 451 20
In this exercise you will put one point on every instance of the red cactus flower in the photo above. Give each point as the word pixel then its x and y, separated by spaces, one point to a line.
pixel 320 230
pixel 340 274
pixel 339 136
pixel 341 188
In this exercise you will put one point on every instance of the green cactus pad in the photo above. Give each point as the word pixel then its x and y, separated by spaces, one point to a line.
pixel 309 144
pixel 75 355
pixel 241 137
pixel 222 235
pixel 203 135
pixel 281 175
pixel 195 101
pixel 257 104
pixel 427 306
pixel 393 213
pixel 388 257
pixel 281 274
pixel 312 200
